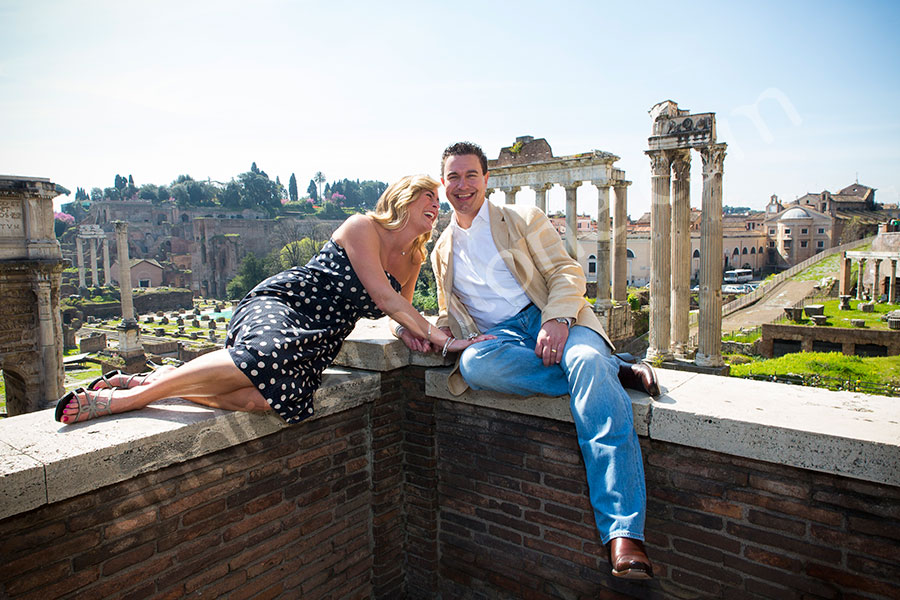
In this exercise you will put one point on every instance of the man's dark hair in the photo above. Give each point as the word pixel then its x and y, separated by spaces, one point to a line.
pixel 462 149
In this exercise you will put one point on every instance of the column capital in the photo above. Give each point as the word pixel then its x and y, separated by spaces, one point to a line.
pixel 537 187
pixel 713 157
pixel 511 189
pixel 603 183
pixel 681 164
pixel 572 185
pixel 660 164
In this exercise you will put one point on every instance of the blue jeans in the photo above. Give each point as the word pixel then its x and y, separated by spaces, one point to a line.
pixel 600 407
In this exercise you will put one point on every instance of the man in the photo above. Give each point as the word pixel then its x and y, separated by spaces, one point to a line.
pixel 504 271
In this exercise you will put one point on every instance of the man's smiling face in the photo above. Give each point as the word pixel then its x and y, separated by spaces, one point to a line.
pixel 465 185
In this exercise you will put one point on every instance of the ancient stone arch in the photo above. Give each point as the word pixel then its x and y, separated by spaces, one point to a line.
pixel 30 274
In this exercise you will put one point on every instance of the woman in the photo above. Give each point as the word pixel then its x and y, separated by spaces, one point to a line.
pixel 291 326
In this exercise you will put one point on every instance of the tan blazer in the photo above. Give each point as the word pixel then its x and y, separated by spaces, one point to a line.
pixel 534 253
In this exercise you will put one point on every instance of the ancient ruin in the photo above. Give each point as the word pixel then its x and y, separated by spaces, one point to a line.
pixel 675 133
pixel 30 273
pixel 530 163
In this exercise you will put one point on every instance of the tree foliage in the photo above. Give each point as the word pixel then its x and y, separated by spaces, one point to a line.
pixel 251 271
pixel 292 188
pixel 298 253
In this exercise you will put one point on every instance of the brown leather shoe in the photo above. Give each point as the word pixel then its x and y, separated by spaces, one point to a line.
pixel 628 559
pixel 640 377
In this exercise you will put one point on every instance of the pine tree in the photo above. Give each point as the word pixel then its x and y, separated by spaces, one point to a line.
pixel 292 188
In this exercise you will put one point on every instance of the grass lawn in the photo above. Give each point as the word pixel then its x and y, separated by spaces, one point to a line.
pixel 841 318
pixel 881 370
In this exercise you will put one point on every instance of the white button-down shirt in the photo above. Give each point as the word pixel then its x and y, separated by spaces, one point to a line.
pixel 481 279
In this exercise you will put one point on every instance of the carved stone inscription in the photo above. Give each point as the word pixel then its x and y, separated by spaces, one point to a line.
pixel 11 218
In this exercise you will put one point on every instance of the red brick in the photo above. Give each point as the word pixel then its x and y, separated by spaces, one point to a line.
pixel 771 559
pixel 852 581
pixel 129 524
pixel 787 526
pixel 768 538
pixel 560 524
pixel 877 527
pixel 708 505
pixel 31 540
pixel 65 586
pixel 126 559
pixel 41 575
pixel 794 488
pixel 787 507
pixel 701 536
pixel 703 487
pixel 872 506
pixel 200 497
pixel 864 545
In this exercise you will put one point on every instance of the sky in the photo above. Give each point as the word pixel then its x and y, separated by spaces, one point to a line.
pixel 806 94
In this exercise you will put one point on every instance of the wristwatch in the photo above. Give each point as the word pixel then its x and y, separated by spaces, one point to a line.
pixel 565 320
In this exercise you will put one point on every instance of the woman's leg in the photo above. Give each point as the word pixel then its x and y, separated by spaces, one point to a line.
pixel 212 380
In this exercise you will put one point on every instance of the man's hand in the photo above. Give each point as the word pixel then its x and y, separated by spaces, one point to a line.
pixel 414 343
pixel 551 340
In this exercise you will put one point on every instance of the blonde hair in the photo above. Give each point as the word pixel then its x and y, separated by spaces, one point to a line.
pixel 391 211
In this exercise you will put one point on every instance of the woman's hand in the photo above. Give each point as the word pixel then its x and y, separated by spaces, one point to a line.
pixel 457 345
pixel 414 343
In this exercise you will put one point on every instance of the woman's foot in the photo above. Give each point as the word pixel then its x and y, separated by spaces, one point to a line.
pixel 82 405
pixel 124 381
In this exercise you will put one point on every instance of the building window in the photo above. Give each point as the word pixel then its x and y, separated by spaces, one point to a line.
pixel 144 283
pixel 787 231
pixel 772 244
pixel 787 244
pixel 803 243
pixel 821 231
pixel 771 231
pixel 592 264
pixel 820 244
pixel 804 231
pixel 744 250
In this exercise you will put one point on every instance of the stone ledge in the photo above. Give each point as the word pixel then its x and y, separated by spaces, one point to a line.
pixel 843 433
pixel 372 346
pixel 42 461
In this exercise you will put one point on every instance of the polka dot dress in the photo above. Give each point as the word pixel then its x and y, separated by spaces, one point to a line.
pixel 291 326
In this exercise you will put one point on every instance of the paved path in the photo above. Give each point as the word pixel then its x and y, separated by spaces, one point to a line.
pixel 770 307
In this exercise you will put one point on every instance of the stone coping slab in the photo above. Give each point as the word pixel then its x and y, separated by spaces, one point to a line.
pixel 372 346
pixel 42 461
pixel 843 433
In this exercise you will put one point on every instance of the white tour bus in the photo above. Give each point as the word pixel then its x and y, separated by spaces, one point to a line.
pixel 738 276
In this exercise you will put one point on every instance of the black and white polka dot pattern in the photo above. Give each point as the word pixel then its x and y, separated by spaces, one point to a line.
pixel 291 326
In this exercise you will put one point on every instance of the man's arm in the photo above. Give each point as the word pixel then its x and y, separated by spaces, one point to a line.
pixel 565 283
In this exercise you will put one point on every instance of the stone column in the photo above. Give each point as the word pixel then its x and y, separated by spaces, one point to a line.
pixel 892 290
pixel 709 351
pixel 51 352
pixel 510 193
pixel 572 219
pixel 603 296
pixel 844 276
pixel 876 281
pixel 619 266
pixel 130 348
pixel 660 262
pixel 681 251
pixel 859 279
pixel 79 253
pixel 95 279
pixel 540 195
pixel 107 279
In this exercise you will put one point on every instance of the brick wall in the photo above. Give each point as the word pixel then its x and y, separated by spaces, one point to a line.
pixel 288 515
pixel 514 521
pixel 417 497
